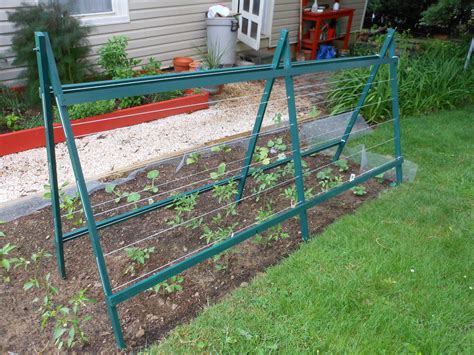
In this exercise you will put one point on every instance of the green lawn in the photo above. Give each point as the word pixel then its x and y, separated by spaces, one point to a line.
pixel 397 276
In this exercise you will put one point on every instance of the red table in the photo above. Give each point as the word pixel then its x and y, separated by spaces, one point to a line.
pixel 318 18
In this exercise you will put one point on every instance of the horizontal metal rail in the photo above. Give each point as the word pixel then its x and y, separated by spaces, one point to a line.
pixel 168 201
pixel 173 270
pixel 106 90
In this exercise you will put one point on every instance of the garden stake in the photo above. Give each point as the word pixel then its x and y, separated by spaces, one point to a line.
pixel 69 94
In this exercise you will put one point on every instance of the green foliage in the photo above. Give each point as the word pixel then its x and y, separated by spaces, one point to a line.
pixel 70 205
pixel 314 112
pixel 226 192
pixel 11 122
pixel 447 14
pixel 342 165
pixel 221 233
pixel 221 148
pixel 261 155
pixel 277 118
pixel 359 190
pixel 264 181
pixel 68 40
pixel 219 173
pixel 430 80
pixel 291 194
pixel 184 207
pixel 325 174
pixel 138 256
pixel 212 57
pixel 113 57
pixel 130 197
pixel 173 284
pixel 6 261
pixel 152 175
pixel 277 144
pixel 274 233
pixel 193 158
pixel 88 109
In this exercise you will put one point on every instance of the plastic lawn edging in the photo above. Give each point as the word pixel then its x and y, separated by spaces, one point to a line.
pixel 27 139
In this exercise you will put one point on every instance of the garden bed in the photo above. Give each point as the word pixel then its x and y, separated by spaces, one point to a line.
pixel 27 139
pixel 150 316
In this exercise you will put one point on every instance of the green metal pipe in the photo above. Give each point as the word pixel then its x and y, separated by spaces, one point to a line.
pixel 151 281
pixel 396 112
pixel 388 41
pixel 169 82
pixel 47 107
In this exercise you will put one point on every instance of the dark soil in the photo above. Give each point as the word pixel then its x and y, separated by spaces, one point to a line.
pixel 148 317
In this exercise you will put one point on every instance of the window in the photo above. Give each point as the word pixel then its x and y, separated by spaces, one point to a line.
pixel 98 12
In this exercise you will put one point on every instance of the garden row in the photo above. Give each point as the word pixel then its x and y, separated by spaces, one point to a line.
pixel 190 222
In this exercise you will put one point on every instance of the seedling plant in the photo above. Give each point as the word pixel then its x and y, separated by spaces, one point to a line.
pixel 275 233
pixel 138 256
pixel 359 190
pixel 172 285
pixel 70 205
pixel 184 207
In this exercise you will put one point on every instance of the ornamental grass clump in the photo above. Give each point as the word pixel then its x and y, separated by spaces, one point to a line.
pixel 431 79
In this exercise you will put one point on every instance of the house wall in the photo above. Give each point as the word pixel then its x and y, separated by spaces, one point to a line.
pixel 287 15
pixel 162 29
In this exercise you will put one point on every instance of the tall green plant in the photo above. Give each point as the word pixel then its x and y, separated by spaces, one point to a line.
pixel 430 80
pixel 68 39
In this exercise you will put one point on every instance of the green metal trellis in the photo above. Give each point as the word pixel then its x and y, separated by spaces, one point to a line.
pixel 64 95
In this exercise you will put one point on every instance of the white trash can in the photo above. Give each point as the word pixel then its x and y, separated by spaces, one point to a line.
pixel 222 38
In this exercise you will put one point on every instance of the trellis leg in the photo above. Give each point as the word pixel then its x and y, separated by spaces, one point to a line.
pixel 365 92
pixel 396 113
pixel 50 151
pixel 81 185
pixel 260 115
pixel 295 142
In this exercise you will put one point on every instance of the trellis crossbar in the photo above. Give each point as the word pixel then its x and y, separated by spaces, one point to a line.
pixel 51 90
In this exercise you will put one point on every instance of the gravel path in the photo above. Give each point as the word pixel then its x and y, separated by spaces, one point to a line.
pixel 25 173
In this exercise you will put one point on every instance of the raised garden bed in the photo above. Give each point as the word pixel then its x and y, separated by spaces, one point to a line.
pixel 27 139
pixel 150 316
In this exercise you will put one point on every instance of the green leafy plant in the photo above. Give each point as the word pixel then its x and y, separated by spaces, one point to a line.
pixel 130 197
pixel 173 284
pixel 359 190
pixel 6 261
pixel 431 79
pixel 325 174
pixel 264 181
pixel 68 42
pixel 380 178
pixel 152 175
pixel 70 205
pixel 261 155
pixel 11 122
pixel 290 193
pixel 314 112
pixel 184 207
pixel 113 57
pixel 89 109
pixel 226 192
pixel 193 158
pixel 342 165
pixel 272 234
pixel 223 149
pixel 221 233
pixel 215 175
pixel 277 144
pixel 277 118
pixel 138 256
pixel 289 169
pixel 69 321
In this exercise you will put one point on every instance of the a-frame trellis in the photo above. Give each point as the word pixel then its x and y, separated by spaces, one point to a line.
pixel 52 90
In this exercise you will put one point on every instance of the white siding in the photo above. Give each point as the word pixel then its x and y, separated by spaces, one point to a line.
pixel 162 29
pixel 287 15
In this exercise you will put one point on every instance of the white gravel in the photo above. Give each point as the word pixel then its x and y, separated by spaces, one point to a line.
pixel 25 173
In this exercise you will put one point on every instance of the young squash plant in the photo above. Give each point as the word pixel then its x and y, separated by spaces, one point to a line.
pixel 152 175
pixel 223 149
pixel 342 165
pixel 359 190
pixel 193 158
pixel 130 197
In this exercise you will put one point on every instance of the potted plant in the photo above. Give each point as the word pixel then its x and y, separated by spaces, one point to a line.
pixel 210 59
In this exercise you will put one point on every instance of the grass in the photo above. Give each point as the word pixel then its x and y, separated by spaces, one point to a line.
pixel 396 276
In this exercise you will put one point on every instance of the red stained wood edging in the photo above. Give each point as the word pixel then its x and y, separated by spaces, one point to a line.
pixel 27 139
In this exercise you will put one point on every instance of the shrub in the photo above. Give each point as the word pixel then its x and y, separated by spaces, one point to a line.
pixel 430 80
pixel 113 58
pixel 88 109
pixel 68 40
